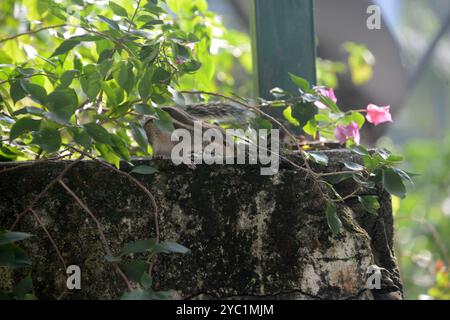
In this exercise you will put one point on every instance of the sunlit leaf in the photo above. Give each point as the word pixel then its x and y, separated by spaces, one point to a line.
pixel 333 220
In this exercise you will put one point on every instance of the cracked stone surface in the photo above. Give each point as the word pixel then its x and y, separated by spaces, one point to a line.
pixel 250 236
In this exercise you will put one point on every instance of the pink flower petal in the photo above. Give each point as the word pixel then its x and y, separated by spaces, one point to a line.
pixel 377 115
pixel 339 132
pixel 348 132
pixel 328 93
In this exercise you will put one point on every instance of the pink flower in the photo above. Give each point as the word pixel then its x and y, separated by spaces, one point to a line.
pixel 328 93
pixel 349 132
pixel 377 115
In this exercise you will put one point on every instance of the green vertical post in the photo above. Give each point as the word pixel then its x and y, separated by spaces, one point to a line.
pixel 283 40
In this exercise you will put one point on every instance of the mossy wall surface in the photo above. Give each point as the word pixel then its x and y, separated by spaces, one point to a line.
pixel 250 236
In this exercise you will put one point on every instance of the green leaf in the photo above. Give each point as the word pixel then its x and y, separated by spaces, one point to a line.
pixel 318 157
pixel 7 237
pixel 135 270
pixel 29 110
pixel 112 259
pixel 48 139
pixel 303 112
pixel 287 113
pixel 24 287
pixel 333 220
pixel 405 176
pixel 366 184
pixel 330 104
pixel 91 84
pixel 170 247
pixel 360 150
pixel 151 24
pixel 121 74
pixel 114 95
pixel 145 85
pixel 146 281
pixel 144 170
pixel 108 154
pixel 394 158
pixel 301 83
pixel 138 246
pixel 105 67
pixel 63 103
pixel 118 10
pixel 14 257
pixel 111 23
pixel 36 92
pixel 311 128
pixel 56 118
pixel 393 183
pixel 338 178
pixel 67 78
pixel 353 166
pixel 153 8
pixel 65 47
pixel 98 133
pixel 131 80
pixel 81 137
pixel 137 295
pixel 139 136
pixel 370 204
pixel 358 118
pixel 191 66
pixel 161 76
pixel 120 147
pixel 164 121
pixel 16 91
pixel 23 125
pixel 144 109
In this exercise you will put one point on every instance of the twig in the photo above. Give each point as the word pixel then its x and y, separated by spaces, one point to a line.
pixel 99 229
pixel 55 246
pixel 25 165
pixel 48 75
pixel 330 174
pixel 134 15
pixel 44 192
pixel 138 183
pixel 33 32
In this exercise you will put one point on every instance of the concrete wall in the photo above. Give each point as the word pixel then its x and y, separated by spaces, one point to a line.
pixel 250 236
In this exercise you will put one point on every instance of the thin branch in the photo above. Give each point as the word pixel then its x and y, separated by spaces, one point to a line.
pixel 48 75
pixel 140 185
pixel 99 229
pixel 133 179
pixel 44 192
pixel 33 163
pixel 33 32
pixel 330 174
pixel 53 242
pixel 134 15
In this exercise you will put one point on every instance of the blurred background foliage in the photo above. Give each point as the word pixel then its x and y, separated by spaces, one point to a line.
pixel 421 130
pixel 423 221
pixel 422 133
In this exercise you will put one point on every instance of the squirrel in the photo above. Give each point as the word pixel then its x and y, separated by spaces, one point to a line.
pixel 211 116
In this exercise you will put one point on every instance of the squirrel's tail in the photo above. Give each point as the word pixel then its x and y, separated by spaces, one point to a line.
pixel 221 112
